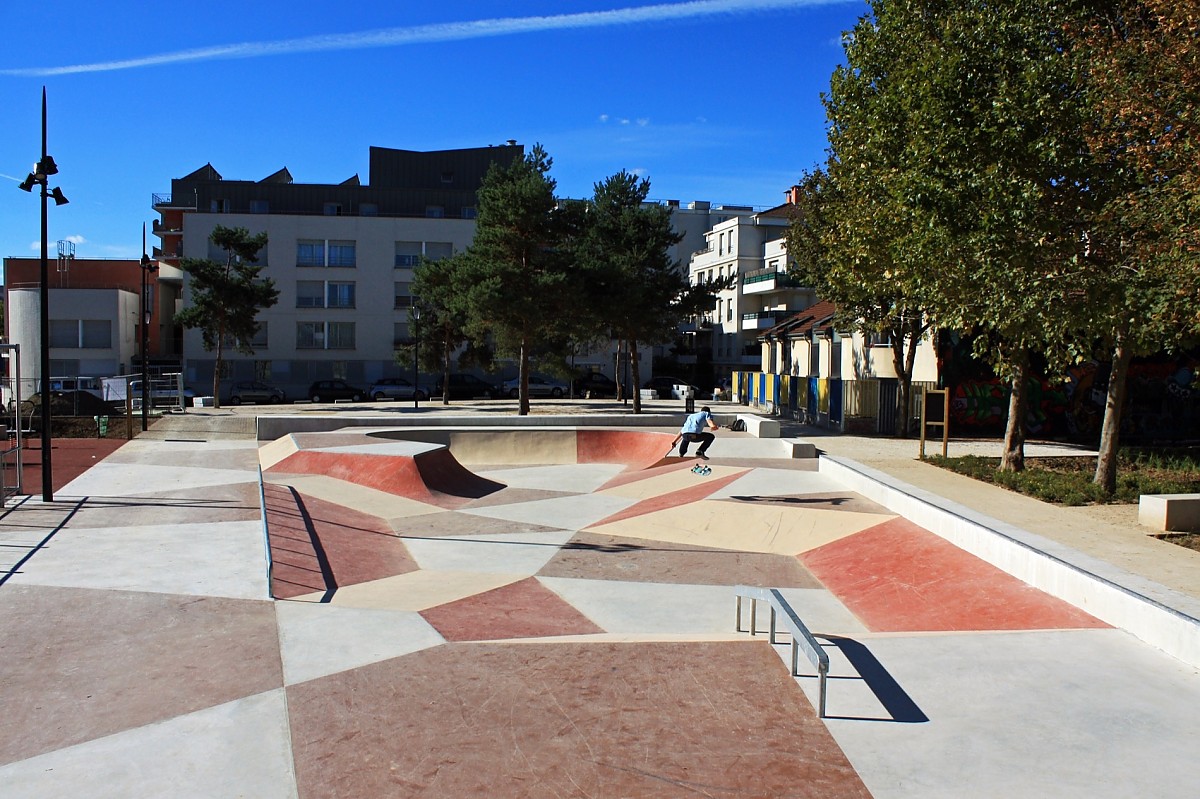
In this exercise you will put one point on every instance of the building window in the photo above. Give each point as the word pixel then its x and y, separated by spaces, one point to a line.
pixel 218 206
pixel 342 253
pixel 435 211
pixel 437 250
pixel 310 335
pixel 95 334
pixel 260 342
pixel 341 336
pixel 408 253
pixel 339 295
pixel 310 252
pixel 259 207
pixel 262 370
pixel 468 212
pixel 403 294
pixel 64 333
pixel 368 209
pixel 332 209
pixel 399 334
pixel 447 177
pixel 729 311
pixel 310 293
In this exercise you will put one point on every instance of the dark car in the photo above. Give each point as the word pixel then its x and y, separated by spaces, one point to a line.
pixel 595 385
pixel 331 390
pixel 397 388
pixel 663 385
pixel 467 386
pixel 254 391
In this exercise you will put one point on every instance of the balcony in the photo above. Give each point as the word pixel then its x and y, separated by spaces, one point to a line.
pixel 764 281
pixel 158 201
pixel 762 320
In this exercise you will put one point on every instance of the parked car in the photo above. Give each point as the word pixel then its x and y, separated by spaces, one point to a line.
pixel 595 385
pixel 539 386
pixel 467 386
pixel 256 392
pixel 663 385
pixel 330 390
pixel 397 388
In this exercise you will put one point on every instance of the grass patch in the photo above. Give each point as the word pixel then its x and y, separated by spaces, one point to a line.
pixel 1068 480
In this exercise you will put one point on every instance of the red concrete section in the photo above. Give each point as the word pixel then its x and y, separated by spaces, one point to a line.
pixel 636 449
pixel 898 577
pixel 664 466
pixel 525 609
pixel 704 487
pixel 69 458
pixel 295 567
pixel 602 720
pixel 434 477
pixel 80 664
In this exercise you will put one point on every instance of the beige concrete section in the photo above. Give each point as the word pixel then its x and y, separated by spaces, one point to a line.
pixel 416 590
pixel 670 482
pixel 1108 532
pixel 352 495
pixel 634 638
pixel 514 447
pixel 777 530
pixel 275 451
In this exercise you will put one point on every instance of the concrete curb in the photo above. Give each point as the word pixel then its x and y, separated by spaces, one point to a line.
pixel 1157 615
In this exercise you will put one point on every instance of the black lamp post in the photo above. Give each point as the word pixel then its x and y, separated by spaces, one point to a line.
pixel 40 176
pixel 148 268
pixel 416 315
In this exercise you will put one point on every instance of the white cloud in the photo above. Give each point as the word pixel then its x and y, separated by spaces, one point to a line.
pixel 76 239
pixel 643 122
pixel 604 117
pixel 445 32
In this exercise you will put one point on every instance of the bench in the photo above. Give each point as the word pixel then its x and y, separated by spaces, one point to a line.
pixel 1174 513
pixel 760 426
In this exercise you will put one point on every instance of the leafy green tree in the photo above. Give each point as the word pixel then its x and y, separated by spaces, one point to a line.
pixel 846 250
pixel 226 296
pixel 625 251
pixel 1141 63
pixel 438 291
pixel 969 131
pixel 519 287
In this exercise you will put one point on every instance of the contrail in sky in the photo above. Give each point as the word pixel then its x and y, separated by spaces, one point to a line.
pixel 447 32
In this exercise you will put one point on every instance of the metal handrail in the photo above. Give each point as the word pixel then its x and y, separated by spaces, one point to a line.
pixel 801 637
pixel 266 532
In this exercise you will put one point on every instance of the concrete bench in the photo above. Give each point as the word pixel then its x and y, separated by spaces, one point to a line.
pixel 1174 513
pixel 760 426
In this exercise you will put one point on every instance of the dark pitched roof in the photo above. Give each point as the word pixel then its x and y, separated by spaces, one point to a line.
pixel 818 315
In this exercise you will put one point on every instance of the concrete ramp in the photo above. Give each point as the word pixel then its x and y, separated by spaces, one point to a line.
pixel 434 476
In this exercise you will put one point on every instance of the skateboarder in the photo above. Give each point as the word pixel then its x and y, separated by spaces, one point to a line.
pixel 693 430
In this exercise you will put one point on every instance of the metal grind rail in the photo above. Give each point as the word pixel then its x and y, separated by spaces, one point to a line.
pixel 802 639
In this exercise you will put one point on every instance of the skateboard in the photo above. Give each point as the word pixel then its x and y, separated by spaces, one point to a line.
pixel 701 469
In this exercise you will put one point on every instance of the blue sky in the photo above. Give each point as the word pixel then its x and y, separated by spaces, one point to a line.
pixel 711 100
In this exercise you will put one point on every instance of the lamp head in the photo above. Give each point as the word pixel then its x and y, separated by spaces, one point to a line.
pixel 28 183
pixel 46 166
pixel 57 195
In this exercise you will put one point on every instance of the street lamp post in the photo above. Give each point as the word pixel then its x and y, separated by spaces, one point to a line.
pixel 40 176
pixel 416 314
pixel 148 267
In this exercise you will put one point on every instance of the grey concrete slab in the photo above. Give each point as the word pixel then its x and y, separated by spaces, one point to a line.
pixel 508 553
pixel 236 749
pixel 317 640
pixel 136 479
pixel 672 608
pixel 768 482
pixel 573 513
pixel 578 477
pixel 1077 713
pixel 209 559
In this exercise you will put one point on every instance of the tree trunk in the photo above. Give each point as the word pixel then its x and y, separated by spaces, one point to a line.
pixel 621 388
pixel 523 380
pixel 636 367
pixel 446 371
pixel 216 371
pixel 1013 459
pixel 1110 431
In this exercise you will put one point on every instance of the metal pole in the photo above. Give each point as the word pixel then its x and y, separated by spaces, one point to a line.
pixel 416 354
pixel 47 471
pixel 144 266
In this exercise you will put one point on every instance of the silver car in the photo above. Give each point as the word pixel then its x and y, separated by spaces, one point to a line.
pixel 539 386
pixel 256 392
pixel 397 388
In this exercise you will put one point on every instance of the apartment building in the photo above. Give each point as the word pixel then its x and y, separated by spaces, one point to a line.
pixel 342 256
pixel 750 246
pixel 95 320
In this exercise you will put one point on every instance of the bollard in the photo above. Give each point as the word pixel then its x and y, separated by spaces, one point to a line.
pixel 101 426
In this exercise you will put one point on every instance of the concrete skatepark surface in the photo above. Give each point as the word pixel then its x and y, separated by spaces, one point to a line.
pixel 543 612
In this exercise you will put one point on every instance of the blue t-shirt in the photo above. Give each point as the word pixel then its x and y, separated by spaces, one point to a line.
pixel 696 422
